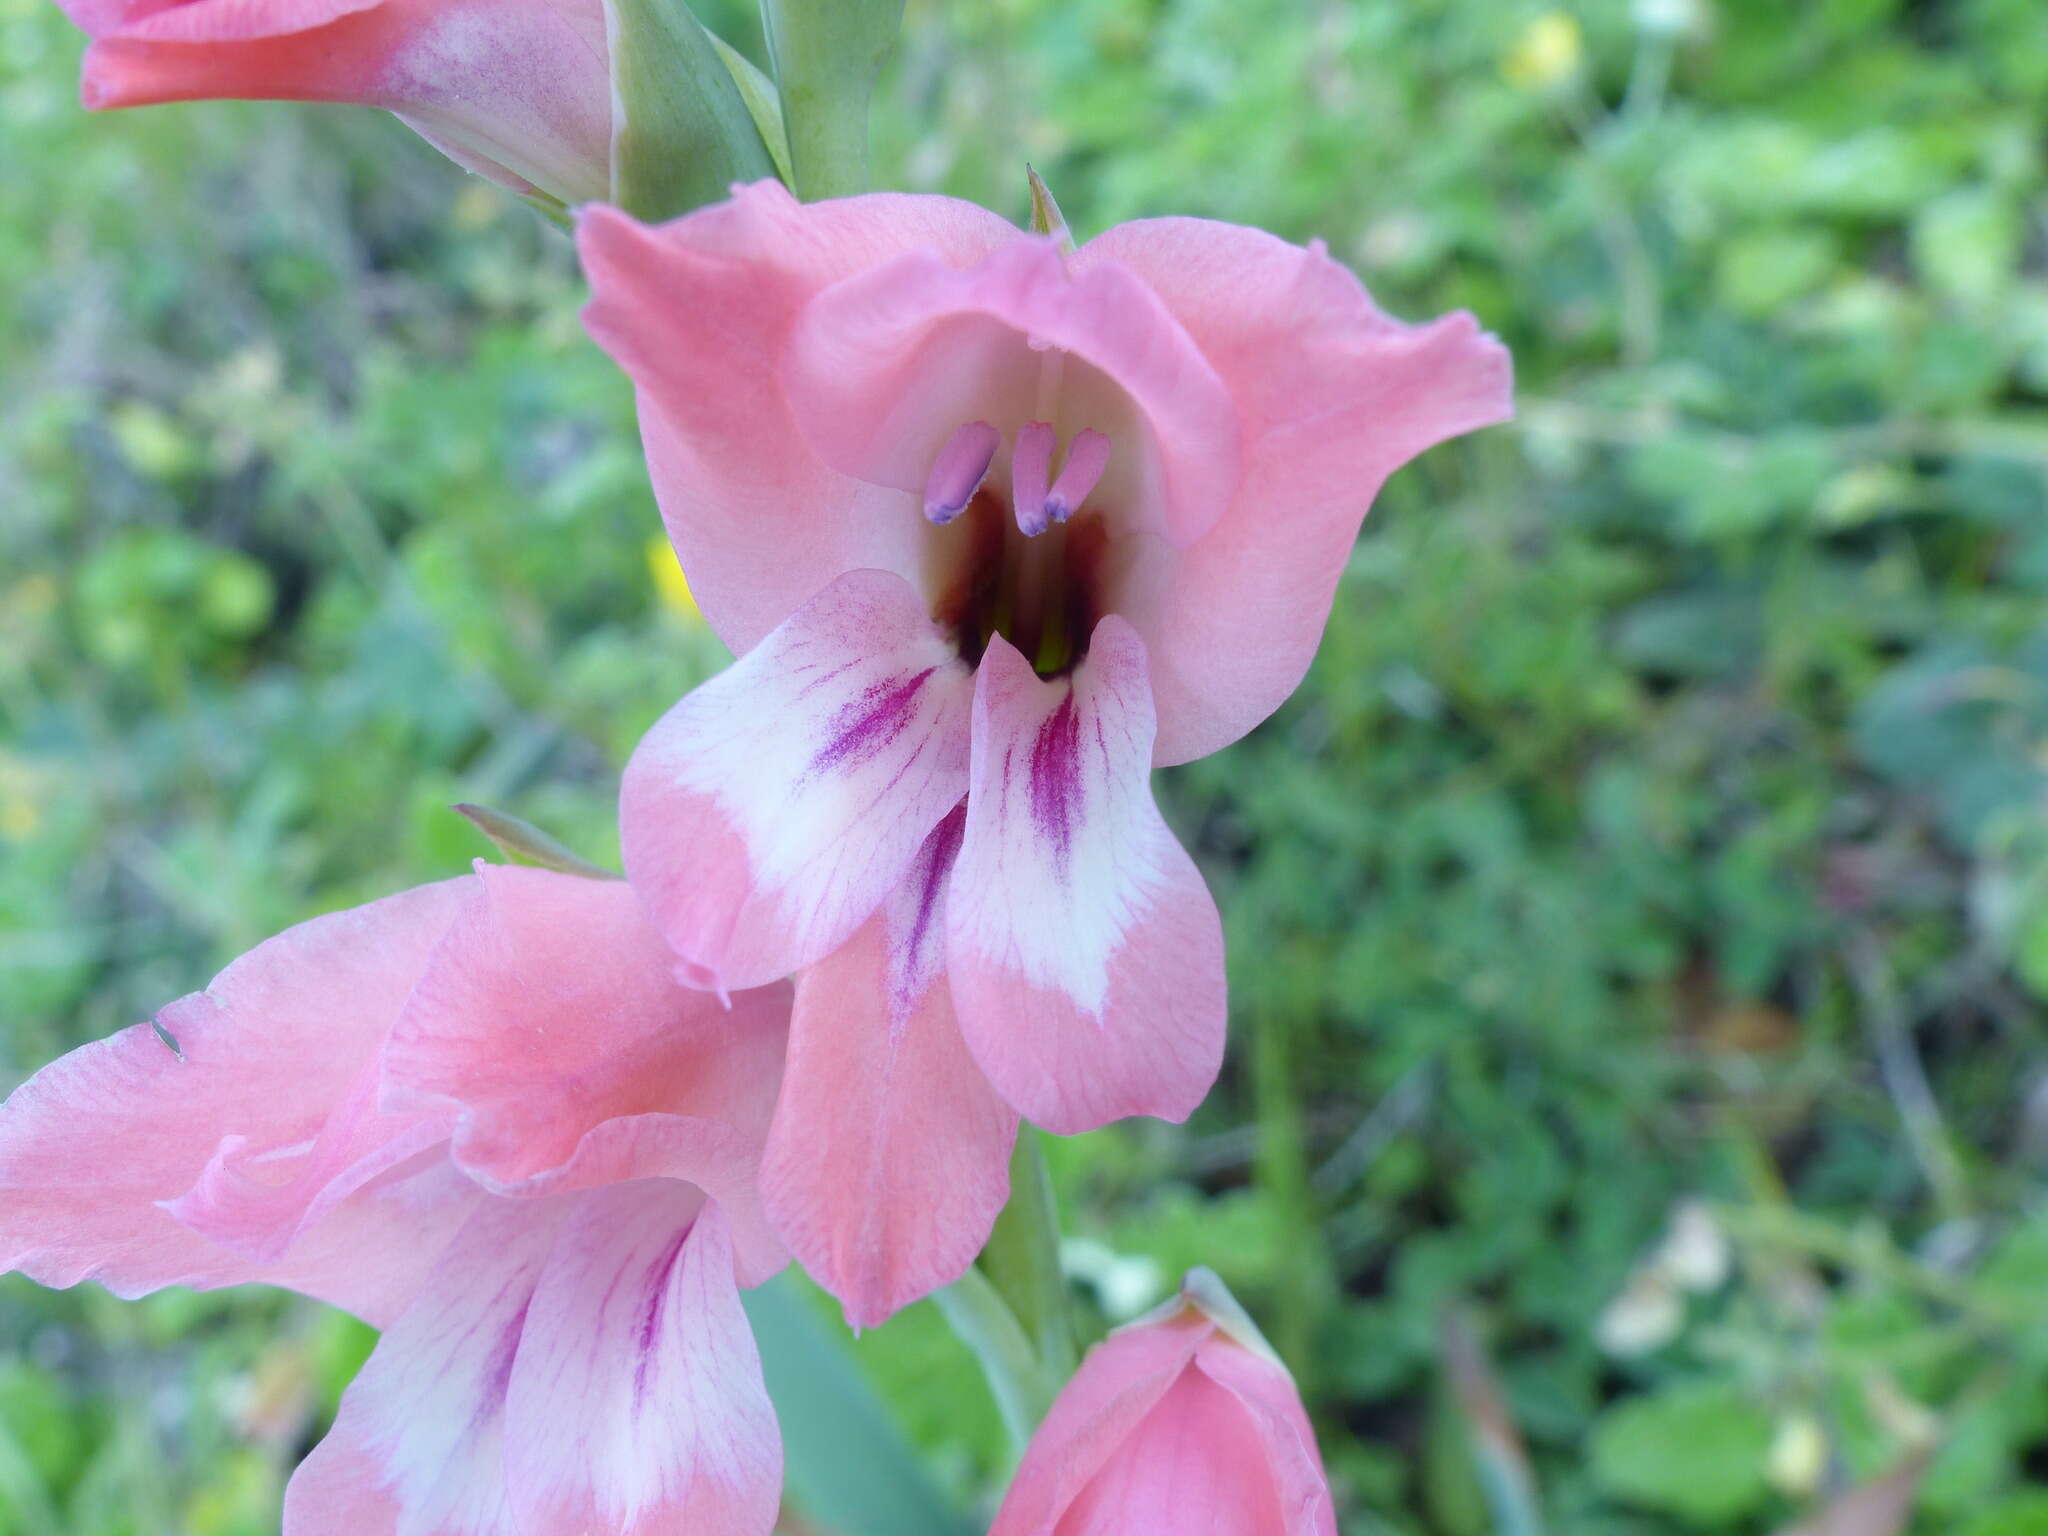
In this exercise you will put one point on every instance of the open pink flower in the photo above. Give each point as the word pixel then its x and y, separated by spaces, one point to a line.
pixel 1181 1421
pixel 516 90
pixel 995 530
pixel 483 1116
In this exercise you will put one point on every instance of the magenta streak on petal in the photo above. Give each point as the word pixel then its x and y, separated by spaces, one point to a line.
pixel 1030 471
pixel 957 472
pixel 498 1374
pixel 868 724
pixel 1056 781
pixel 1087 458
pixel 657 1302
pixel 912 969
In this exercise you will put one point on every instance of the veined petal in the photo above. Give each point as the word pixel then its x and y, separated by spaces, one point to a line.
pixel 889 1158
pixel 636 1404
pixel 771 811
pixel 417 1448
pixel 1084 951
pixel 575 1363
pixel 96 1147
pixel 1332 396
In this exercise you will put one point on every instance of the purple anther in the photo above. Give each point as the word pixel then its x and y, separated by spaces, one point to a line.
pixel 1030 470
pixel 956 473
pixel 1087 458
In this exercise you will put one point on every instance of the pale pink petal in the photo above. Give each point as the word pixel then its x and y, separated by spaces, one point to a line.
pixel 889 1159
pixel 576 1363
pixel 697 311
pixel 882 367
pixel 637 1406
pixel 551 1007
pixel 709 1154
pixel 522 85
pixel 1332 397
pixel 1278 1427
pixel 260 1200
pixel 1084 951
pixel 768 813
pixel 1122 1380
pixel 418 1447
pixel 95 1146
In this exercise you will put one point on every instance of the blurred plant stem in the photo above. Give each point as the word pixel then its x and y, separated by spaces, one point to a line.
pixel 1499 1460
pixel 1308 1281
pixel 1011 1307
pixel 1867 1251
pixel 1886 1021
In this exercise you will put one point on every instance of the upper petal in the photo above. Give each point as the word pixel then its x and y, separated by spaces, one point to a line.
pixel 1084 951
pixel 889 1158
pixel 636 1406
pixel 95 1146
pixel 882 366
pixel 1332 397
pixel 1118 1385
pixel 767 814
pixel 697 311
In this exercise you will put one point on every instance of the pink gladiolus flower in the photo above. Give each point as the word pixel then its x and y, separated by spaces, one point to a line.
pixel 483 1116
pixel 1179 1422
pixel 516 90
pixel 995 530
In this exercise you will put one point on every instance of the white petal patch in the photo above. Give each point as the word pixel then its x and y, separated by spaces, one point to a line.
pixel 1064 847
pixel 637 1405
pixel 1083 951
pixel 817 764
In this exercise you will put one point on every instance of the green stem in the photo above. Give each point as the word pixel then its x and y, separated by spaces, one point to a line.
pixel 1017 1379
pixel 1011 1307
pixel 1281 1168
pixel 1022 1259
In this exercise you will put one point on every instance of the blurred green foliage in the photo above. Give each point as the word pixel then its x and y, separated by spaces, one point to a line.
pixel 1639 921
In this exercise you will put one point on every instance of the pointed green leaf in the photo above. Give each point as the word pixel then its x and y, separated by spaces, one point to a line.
pixel 828 55
pixel 1046 218
pixel 682 134
pixel 525 843
pixel 763 104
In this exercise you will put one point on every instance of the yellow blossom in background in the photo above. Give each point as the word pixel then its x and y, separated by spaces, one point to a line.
pixel 1546 54
pixel 670 583
pixel 21 812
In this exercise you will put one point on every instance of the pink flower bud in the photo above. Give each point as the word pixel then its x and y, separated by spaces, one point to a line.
pixel 1182 1421
pixel 516 90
